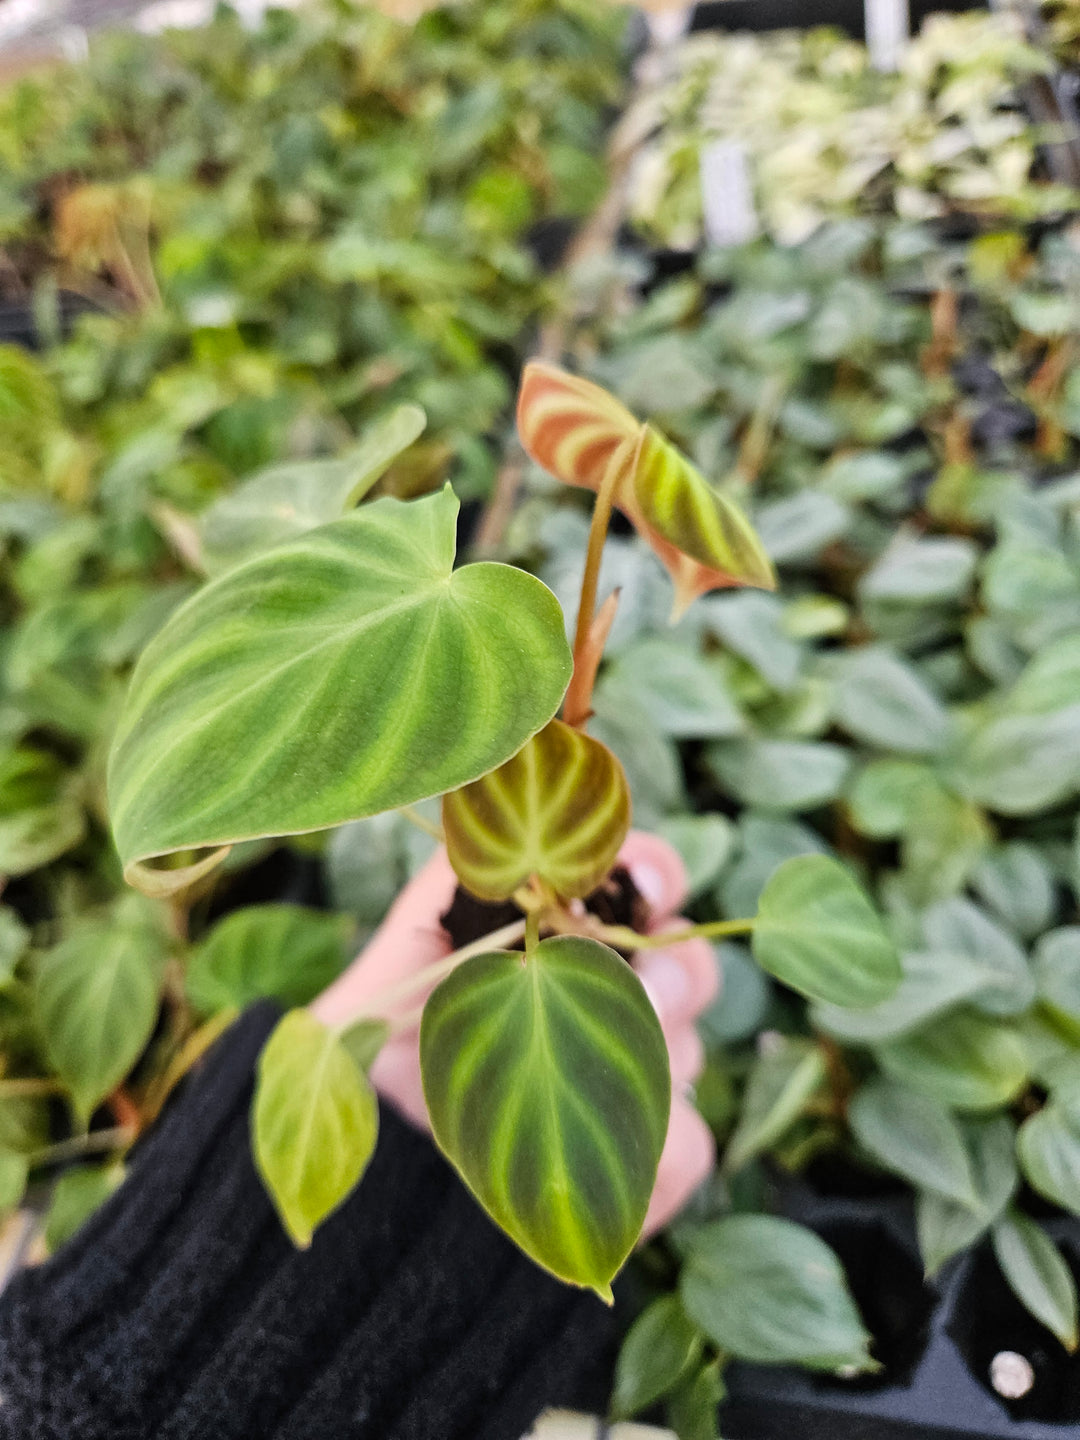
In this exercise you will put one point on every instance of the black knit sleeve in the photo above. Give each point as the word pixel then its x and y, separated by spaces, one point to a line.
pixel 182 1310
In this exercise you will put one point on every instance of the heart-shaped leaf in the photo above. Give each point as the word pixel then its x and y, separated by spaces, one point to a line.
pixel 287 500
pixel 817 931
pixel 915 1137
pixel 315 1122
pixel 559 808
pixel 548 1087
pixel 286 952
pixel 580 433
pixel 96 994
pixel 347 672
pixel 770 1291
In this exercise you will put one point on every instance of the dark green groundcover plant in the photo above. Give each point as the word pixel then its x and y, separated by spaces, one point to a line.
pixel 351 669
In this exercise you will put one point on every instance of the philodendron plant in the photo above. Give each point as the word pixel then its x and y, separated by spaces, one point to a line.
pixel 348 668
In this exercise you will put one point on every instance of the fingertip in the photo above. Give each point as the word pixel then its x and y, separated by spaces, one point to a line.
pixel 657 870
pixel 688 1159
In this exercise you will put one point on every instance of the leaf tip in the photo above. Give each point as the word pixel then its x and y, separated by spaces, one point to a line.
pixel 605 1293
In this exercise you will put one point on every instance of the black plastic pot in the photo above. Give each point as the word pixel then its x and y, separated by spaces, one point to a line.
pixel 847 15
pixel 936 1343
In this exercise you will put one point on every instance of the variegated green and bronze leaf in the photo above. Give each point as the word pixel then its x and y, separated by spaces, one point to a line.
pixel 559 809
pixel 703 538
pixel 580 433
pixel 349 671
pixel 548 1087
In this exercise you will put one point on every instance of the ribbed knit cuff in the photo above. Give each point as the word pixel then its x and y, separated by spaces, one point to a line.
pixel 182 1310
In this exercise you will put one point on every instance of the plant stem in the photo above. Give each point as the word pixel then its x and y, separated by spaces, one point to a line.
pixel 576 707
pixel 95 1143
pixel 427 826
pixel 532 931
pixel 379 1006
pixel 621 937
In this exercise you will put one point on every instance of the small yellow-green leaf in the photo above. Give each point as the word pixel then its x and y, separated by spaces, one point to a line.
pixel 818 932
pixel 314 1125
pixel 75 1197
pixel 560 809
pixel 548 1087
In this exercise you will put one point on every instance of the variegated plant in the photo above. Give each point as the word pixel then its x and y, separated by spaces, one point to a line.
pixel 339 665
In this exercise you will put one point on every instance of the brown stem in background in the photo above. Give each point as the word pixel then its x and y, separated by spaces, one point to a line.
pixel 938 356
pixel 588 662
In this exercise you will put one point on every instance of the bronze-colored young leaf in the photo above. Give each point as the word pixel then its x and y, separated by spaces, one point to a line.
pixel 570 426
pixel 345 672
pixel 315 1122
pixel 578 432
pixel 548 1088
pixel 560 809
pixel 704 539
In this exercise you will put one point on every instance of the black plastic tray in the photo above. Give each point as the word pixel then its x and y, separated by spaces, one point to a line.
pixel 937 1342
pixel 847 15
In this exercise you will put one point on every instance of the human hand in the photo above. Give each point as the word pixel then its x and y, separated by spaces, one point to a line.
pixel 681 981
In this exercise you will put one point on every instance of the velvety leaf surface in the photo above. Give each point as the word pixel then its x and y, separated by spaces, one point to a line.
pixel 571 427
pixel 286 696
pixel 767 1290
pixel 559 808
pixel 817 932
pixel 287 500
pixel 548 1087
pixel 783 1080
pixel 315 1122
pixel 96 995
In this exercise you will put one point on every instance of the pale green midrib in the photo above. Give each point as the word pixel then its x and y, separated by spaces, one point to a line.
pixel 300 1156
pixel 540 1039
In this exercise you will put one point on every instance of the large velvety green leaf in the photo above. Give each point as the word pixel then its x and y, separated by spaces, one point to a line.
pixel 661 1347
pixel 559 809
pixel 315 1122
pixel 285 952
pixel 96 994
pixel 350 671
pixel 1038 1275
pixel 915 1137
pixel 818 932
pixel 548 1087
pixel 287 500
pixel 770 1291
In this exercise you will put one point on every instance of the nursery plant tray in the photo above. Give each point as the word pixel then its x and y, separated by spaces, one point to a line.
pixel 804 14
pixel 937 1342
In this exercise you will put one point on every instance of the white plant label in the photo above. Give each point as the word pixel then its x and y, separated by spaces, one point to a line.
pixel 888 29
pixel 728 193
